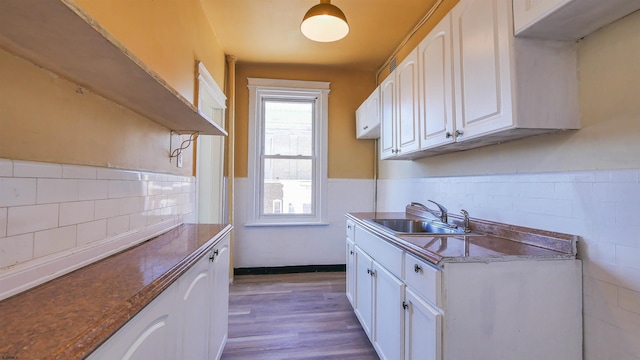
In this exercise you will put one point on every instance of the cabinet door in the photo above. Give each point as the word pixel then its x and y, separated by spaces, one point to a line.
pixel 151 334
pixel 351 272
pixel 423 324
pixel 368 117
pixel 361 120
pixel 388 314
pixel 387 118
pixel 481 58
pixel 219 319
pixel 194 305
pixel 408 109
pixel 364 291
pixel 436 90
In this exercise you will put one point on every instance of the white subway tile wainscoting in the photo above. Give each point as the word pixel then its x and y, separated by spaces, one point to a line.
pixel 602 207
pixel 55 218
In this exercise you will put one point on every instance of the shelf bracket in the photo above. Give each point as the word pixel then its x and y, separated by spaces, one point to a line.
pixel 183 146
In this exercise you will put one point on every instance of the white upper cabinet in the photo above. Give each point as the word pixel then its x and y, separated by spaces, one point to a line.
pixel 387 117
pixel 399 110
pixel 436 87
pixel 475 84
pixel 567 19
pixel 368 117
pixel 407 110
pixel 482 63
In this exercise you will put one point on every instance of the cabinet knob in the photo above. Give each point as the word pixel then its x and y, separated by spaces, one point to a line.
pixel 405 305
pixel 351 252
pixel 417 268
pixel 448 135
pixel 459 133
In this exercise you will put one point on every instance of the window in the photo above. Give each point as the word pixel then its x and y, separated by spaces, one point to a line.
pixel 287 151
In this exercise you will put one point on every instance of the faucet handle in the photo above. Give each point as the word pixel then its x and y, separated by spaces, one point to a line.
pixel 465 213
pixel 443 209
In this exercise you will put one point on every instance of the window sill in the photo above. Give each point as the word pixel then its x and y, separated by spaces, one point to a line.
pixel 286 224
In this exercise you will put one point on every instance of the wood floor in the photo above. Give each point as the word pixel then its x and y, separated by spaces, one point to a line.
pixel 294 316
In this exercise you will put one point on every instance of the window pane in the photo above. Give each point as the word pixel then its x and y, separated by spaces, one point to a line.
pixel 287 186
pixel 288 128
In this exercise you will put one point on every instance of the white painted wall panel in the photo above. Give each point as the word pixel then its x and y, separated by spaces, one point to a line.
pixel 299 245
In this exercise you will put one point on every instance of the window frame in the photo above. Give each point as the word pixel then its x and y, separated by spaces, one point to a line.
pixel 260 89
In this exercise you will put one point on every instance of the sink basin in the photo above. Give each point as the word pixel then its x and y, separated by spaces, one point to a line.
pixel 422 227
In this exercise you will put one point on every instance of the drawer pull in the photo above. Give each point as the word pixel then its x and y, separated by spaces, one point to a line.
pixel 417 268
pixel 405 305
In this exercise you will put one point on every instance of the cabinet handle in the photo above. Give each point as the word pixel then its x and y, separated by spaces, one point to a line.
pixel 405 305
pixel 349 227
pixel 417 268
pixel 213 255
pixel 448 135
pixel 368 271
pixel 351 252
pixel 373 273
pixel 459 133
pixel 366 127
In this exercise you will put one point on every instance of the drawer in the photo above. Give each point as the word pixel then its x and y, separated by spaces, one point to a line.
pixel 351 227
pixel 423 278
pixel 386 254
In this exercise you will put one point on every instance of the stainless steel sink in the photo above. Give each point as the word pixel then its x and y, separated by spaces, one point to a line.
pixel 422 227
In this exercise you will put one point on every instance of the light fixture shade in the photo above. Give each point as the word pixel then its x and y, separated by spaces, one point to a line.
pixel 324 23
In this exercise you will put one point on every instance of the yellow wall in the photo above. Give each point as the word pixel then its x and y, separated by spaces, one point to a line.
pixel 43 118
pixel 610 111
pixel 348 157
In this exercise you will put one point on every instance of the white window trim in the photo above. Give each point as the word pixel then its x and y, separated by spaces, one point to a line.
pixel 259 88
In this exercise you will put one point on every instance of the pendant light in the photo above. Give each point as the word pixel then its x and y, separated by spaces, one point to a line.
pixel 324 23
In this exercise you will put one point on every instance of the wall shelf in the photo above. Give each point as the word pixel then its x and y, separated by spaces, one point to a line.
pixel 59 36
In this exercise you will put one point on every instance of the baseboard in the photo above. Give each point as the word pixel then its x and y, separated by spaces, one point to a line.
pixel 289 269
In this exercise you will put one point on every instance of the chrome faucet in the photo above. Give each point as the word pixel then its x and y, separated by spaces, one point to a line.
pixel 441 215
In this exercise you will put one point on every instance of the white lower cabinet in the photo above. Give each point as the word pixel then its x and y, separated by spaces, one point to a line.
pixel 364 291
pixel 388 322
pixel 194 304
pixel 512 309
pixel 219 319
pixel 149 335
pixel 422 328
pixel 186 321
pixel 351 273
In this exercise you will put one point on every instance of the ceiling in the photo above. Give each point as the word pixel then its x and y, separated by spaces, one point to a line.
pixel 268 31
